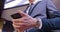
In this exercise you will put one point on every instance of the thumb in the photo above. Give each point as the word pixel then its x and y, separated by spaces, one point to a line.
pixel 22 13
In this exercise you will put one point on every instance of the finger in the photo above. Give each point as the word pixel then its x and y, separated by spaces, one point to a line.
pixel 19 27
pixel 20 20
pixel 15 27
pixel 22 13
pixel 19 24
pixel 17 20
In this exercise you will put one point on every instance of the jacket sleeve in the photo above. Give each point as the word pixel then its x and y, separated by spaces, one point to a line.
pixel 51 24
pixel 51 10
pixel 54 22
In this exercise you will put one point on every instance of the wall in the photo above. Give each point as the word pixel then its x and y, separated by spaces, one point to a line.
pixel 57 3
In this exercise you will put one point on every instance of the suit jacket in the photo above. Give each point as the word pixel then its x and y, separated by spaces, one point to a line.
pixel 48 13
pixel 1 6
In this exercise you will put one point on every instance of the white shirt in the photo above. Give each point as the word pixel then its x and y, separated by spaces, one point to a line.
pixel 33 3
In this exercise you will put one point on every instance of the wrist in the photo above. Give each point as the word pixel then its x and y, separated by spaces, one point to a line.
pixel 40 23
pixel 37 24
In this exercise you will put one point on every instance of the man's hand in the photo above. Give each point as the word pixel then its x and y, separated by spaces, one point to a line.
pixel 25 22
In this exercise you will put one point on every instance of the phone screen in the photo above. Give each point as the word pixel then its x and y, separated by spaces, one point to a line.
pixel 16 16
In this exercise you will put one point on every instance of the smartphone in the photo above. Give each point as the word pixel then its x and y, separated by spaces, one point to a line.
pixel 16 16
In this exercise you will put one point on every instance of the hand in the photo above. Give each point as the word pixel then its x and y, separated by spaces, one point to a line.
pixel 25 22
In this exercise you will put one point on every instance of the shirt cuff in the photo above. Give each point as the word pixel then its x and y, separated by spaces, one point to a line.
pixel 40 23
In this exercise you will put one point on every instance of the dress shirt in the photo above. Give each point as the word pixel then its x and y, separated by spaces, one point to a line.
pixel 32 5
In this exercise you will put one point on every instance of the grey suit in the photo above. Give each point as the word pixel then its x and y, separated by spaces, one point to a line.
pixel 41 9
pixel 49 14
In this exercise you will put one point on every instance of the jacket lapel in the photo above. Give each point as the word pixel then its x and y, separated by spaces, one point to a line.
pixel 33 7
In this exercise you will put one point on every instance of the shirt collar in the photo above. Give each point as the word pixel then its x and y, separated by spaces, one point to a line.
pixel 36 1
